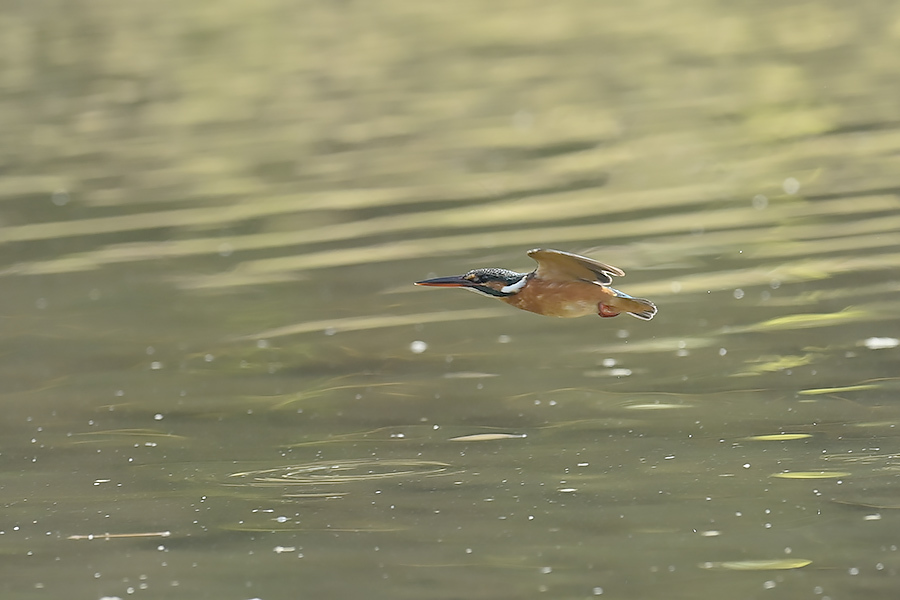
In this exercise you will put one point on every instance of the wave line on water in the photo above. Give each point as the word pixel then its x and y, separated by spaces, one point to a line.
pixel 373 322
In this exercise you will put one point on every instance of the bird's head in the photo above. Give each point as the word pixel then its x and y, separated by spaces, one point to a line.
pixel 499 283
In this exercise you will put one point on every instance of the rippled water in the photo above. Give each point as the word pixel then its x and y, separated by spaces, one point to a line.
pixel 219 381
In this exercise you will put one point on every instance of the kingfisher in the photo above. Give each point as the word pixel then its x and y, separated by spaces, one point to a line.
pixel 562 285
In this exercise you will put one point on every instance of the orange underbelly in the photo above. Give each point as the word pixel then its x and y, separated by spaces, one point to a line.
pixel 568 299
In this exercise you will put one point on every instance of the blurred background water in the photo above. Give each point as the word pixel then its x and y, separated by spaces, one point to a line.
pixel 219 382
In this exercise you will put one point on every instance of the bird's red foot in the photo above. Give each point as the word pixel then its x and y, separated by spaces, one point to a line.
pixel 607 311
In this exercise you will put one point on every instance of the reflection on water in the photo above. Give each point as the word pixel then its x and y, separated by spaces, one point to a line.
pixel 219 380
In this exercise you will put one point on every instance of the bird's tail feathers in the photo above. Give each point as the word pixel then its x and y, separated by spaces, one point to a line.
pixel 636 307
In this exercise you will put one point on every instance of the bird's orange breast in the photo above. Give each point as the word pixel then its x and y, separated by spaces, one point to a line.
pixel 560 299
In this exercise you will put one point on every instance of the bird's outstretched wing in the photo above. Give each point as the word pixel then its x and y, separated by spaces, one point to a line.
pixel 556 265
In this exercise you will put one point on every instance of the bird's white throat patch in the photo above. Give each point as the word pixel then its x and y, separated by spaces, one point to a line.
pixel 515 287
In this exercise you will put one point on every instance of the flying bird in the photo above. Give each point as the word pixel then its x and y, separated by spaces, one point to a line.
pixel 562 285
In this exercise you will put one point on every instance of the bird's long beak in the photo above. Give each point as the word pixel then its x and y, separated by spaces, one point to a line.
pixel 453 281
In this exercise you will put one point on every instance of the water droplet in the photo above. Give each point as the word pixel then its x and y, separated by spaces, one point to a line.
pixel 790 186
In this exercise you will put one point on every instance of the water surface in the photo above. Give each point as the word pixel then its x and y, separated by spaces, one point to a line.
pixel 219 382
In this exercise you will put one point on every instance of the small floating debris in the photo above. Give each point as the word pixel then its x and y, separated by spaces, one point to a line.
pixel 778 564
pixel 487 437
pixel 880 343
pixel 811 474
pixel 777 437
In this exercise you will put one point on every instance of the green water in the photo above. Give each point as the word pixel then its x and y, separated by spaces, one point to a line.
pixel 211 215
